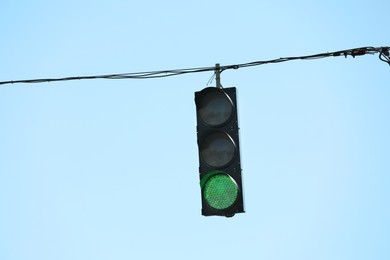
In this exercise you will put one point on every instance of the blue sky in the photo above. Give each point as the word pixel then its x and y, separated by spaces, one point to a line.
pixel 108 169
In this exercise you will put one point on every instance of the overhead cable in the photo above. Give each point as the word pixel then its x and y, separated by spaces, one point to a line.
pixel 383 56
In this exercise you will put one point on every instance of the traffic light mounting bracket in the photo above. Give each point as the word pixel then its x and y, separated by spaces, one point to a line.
pixel 218 75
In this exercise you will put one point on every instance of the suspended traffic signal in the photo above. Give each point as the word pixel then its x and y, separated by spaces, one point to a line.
pixel 219 153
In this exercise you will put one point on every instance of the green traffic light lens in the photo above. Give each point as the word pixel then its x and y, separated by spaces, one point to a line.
pixel 220 191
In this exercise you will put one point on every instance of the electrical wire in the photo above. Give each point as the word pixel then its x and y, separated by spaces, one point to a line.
pixel 383 56
pixel 211 80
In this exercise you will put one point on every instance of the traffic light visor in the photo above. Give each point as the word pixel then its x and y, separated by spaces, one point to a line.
pixel 215 108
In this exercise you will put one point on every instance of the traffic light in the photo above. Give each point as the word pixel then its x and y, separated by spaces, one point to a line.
pixel 219 153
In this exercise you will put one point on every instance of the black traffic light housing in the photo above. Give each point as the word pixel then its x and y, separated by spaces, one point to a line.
pixel 219 152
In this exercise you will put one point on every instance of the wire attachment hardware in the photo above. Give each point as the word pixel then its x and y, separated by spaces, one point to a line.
pixel 384 55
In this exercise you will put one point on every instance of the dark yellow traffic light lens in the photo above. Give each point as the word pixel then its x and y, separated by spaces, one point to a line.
pixel 217 149
pixel 215 108
pixel 220 191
